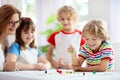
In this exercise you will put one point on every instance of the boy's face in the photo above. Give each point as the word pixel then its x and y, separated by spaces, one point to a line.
pixel 92 41
pixel 67 22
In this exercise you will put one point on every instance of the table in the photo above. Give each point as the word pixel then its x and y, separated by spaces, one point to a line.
pixel 54 75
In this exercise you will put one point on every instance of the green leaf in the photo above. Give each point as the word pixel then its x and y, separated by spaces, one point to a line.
pixel 51 19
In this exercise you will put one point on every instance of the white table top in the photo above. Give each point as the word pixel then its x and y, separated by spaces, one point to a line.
pixel 53 75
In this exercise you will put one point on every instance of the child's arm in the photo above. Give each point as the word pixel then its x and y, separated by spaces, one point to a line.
pixel 100 67
pixel 11 64
pixel 46 63
pixel 49 56
pixel 73 56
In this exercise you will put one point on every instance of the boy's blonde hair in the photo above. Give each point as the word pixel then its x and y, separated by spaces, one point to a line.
pixel 68 10
pixel 97 28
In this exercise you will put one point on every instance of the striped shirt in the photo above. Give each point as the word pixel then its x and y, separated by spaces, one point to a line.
pixel 95 58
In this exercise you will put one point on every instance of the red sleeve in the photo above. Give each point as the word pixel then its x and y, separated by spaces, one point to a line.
pixel 51 38
pixel 82 41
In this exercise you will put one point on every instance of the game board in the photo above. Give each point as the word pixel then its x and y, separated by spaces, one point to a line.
pixel 60 74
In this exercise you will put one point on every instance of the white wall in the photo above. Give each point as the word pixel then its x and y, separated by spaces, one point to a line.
pixel 44 9
pixel 108 10
pixel 115 21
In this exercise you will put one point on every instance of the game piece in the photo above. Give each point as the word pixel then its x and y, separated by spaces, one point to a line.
pixel 67 72
pixel 59 71
pixel 72 51
pixel 45 72
pixel 94 72
pixel 83 73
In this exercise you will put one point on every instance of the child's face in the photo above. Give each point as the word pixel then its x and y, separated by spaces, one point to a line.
pixel 27 36
pixel 92 41
pixel 66 22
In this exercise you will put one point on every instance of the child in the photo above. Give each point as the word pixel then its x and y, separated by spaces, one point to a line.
pixel 23 54
pixel 61 40
pixel 97 51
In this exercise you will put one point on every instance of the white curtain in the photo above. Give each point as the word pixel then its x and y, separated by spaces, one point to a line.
pixel 44 9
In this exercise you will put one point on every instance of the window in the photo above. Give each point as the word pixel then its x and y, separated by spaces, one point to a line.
pixel 82 9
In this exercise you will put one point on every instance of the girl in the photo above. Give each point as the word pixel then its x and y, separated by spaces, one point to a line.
pixel 97 51
pixel 9 21
pixel 23 54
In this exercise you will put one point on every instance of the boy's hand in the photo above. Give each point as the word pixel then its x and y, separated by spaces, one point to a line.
pixel 62 64
pixel 71 50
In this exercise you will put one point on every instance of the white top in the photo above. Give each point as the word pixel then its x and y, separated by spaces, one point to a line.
pixel 2 58
pixel 62 41
pixel 28 56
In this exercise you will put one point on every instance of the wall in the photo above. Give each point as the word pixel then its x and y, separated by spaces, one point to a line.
pixel 44 9
pixel 115 21
pixel 108 10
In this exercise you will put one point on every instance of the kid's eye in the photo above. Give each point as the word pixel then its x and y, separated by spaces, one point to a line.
pixel 86 39
pixel 62 19
pixel 94 39
pixel 68 19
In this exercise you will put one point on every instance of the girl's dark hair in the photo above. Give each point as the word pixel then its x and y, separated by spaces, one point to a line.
pixel 25 24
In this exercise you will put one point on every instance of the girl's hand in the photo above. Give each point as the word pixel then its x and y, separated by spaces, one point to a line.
pixel 40 66
pixel 18 66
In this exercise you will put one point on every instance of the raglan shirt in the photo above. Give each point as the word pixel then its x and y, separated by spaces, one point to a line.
pixel 92 59
pixel 62 41
pixel 27 56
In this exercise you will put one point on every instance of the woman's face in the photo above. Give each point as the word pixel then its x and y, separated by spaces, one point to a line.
pixel 13 24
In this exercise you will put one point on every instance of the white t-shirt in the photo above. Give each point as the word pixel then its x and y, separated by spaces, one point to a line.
pixel 2 58
pixel 62 41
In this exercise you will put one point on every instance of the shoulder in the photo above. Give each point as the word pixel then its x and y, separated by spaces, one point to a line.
pixel 76 30
pixel 15 45
pixel 106 44
pixel 54 33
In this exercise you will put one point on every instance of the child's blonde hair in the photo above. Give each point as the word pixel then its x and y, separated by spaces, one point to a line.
pixel 68 10
pixel 97 28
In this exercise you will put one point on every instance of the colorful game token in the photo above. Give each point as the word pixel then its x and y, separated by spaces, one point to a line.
pixel 59 71
pixel 72 51
pixel 45 72
pixel 83 73
pixel 94 72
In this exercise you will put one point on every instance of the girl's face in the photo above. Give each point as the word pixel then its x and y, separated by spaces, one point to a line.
pixel 66 22
pixel 13 24
pixel 27 36
pixel 92 41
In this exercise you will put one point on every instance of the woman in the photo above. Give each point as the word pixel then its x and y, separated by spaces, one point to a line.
pixel 9 21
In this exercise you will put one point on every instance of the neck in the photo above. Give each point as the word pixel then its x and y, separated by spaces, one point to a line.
pixel 69 31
